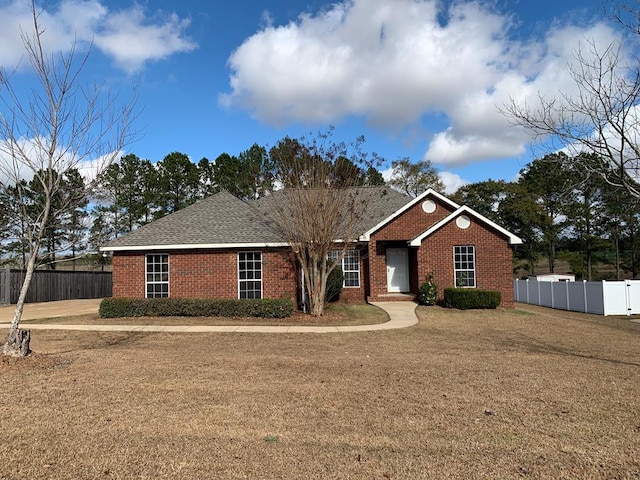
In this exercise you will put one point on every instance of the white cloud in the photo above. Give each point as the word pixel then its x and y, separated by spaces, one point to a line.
pixel 127 36
pixel 395 63
pixel 452 181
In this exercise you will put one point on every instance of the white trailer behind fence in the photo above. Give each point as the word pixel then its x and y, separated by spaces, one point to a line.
pixel 601 298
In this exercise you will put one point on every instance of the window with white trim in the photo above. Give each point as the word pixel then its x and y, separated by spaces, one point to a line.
pixel 350 267
pixel 157 275
pixel 464 265
pixel 250 274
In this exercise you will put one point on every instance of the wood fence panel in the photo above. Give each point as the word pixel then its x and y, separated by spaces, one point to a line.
pixel 51 285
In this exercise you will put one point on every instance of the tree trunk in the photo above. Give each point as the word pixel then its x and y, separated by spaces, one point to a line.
pixel 17 344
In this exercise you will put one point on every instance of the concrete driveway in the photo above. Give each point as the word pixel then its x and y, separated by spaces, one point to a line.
pixel 64 308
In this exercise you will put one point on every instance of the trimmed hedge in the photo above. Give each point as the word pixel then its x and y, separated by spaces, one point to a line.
pixel 195 307
pixel 468 298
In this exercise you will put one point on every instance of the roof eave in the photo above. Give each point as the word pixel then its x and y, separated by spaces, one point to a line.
pixel 200 246
pixel 512 239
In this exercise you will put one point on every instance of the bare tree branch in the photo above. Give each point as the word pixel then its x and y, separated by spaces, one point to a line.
pixel 56 127
pixel 602 118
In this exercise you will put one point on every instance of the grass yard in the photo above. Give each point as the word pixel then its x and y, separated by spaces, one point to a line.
pixel 530 393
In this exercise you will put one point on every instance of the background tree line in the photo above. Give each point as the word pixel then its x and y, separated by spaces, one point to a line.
pixel 559 209
pixel 563 211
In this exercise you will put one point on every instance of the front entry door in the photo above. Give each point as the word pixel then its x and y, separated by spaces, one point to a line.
pixel 397 270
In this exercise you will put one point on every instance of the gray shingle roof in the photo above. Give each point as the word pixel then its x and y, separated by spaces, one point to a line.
pixel 216 220
pixel 223 219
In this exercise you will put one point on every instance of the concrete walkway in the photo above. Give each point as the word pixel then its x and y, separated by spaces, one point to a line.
pixel 401 315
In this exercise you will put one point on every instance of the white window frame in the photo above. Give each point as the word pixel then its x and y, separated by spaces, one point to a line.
pixel 333 254
pixel 461 266
pixel 157 276
pixel 251 271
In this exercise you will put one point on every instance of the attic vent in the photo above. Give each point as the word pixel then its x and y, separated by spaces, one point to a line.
pixel 429 206
pixel 463 222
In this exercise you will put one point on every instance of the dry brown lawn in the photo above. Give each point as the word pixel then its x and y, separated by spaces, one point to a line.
pixel 535 394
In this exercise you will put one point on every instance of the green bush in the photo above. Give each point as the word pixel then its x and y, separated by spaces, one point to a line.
pixel 428 292
pixel 195 307
pixel 467 298
pixel 335 280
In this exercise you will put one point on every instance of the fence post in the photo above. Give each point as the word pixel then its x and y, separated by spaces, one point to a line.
pixel 566 289
pixel 627 296
pixel 528 292
pixel 584 293
pixel 6 286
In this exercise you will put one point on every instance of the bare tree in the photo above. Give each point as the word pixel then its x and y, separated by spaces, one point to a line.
pixel 319 208
pixel 57 127
pixel 601 117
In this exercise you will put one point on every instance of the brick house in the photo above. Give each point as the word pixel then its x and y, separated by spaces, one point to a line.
pixel 223 247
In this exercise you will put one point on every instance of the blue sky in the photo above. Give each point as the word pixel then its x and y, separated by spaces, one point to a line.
pixel 418 78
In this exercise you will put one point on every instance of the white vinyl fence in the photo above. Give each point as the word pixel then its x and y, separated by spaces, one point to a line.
pixel 601 298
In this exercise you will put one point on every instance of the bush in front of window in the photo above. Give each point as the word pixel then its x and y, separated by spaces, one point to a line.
pixel 195 307
pixel 469 298
pixel 335 280
pixel 428 292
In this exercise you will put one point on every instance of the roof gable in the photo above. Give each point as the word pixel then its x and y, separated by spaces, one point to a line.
pixel 513 239
pixel 366 236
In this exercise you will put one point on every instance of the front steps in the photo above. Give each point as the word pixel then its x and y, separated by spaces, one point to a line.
pixel 392 297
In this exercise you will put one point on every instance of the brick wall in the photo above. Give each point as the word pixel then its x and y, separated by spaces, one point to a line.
pixel 413 222
pixel 397 233
pixel 493 254
pixel 205 274
pixel 494 265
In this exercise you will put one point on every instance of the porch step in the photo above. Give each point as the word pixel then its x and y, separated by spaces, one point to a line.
pixel 393 297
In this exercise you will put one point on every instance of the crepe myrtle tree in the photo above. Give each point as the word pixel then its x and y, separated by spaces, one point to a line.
pixel 58 126
pixel 318 209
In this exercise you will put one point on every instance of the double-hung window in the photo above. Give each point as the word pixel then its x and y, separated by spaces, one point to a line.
pixel 157 275
pixel 350 267
pixel 464 264
pixel 250 274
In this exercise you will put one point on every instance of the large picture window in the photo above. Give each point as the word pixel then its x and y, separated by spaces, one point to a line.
pixel 157 275
pixel 250 274
pixel 350 267
pixel 464 262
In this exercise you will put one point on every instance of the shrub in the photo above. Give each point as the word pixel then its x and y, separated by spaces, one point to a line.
pixel 428 291
pixel 335 281
pixel 467 298
pixel 195 307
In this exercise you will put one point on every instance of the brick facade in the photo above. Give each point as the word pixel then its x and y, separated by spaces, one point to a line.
pixel 494 256
pixel 396 234
pixel 205 274
pixel 214 273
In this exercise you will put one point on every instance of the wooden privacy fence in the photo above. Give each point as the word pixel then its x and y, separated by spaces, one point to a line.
pixel 601 298
pixel 52 285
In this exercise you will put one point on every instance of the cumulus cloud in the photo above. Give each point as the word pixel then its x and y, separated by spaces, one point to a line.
pixel 452 181
pixel 128 36
pixel 395 62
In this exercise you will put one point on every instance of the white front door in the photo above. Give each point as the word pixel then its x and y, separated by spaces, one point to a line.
pixel 397 270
